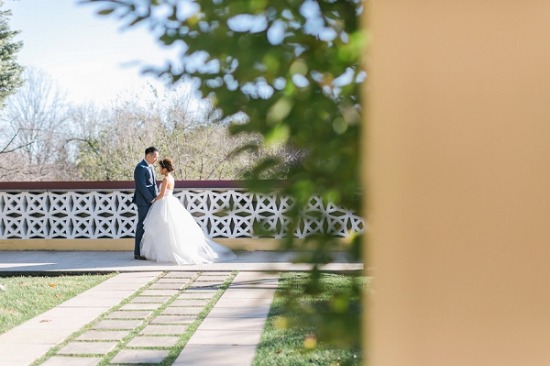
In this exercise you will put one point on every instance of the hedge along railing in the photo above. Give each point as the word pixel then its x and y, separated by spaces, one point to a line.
pixel 103 210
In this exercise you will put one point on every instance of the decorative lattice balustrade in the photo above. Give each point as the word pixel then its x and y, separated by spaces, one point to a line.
pixel 95 210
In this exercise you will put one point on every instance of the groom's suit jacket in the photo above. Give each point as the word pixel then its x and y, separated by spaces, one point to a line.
pixel 146 187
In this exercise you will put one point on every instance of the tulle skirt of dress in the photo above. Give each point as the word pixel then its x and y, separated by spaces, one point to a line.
pixel 173 235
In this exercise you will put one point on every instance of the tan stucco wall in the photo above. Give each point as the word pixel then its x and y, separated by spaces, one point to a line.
pixel 458 180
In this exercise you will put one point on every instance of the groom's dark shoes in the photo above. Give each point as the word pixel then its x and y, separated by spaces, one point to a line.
pixel 140 257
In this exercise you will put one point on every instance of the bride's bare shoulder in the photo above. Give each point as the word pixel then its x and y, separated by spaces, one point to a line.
pixel 170 181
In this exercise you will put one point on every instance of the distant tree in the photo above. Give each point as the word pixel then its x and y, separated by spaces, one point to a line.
pixel 109 141
pixel 10 70
pixel 36 119
pixel 10 80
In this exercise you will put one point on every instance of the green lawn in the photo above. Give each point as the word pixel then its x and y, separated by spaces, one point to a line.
pixel 313 325
pixel 22 298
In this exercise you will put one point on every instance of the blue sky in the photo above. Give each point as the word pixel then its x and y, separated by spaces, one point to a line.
pixel 88 56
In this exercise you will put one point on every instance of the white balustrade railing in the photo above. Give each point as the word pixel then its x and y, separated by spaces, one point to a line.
pixel 221 212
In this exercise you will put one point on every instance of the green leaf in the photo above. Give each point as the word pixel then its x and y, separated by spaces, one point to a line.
pixel 136 21
pixel 106 11
pixel 278 136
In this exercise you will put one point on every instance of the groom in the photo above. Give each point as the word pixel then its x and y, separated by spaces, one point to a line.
pixel 146 191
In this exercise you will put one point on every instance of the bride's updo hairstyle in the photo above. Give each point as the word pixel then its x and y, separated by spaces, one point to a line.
pixel 167 164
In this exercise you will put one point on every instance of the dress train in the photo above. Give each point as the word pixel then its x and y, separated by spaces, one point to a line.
pixel 173 235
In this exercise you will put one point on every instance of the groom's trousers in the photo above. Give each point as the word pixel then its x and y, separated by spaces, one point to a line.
pixel 142 213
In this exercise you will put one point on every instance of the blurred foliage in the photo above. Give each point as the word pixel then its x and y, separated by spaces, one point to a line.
pixel 314 326
pixel 287 69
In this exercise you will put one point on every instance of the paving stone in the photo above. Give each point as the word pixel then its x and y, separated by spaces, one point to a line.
pixel 240 293
pixel 167 293
pixel 174 319
pixel 138 356
pixel 244 276
pixel 122 314
pixel 87 348
pixel 227 302
pixel 72 361
pixel 149 341
pixel 225 337
pixel 21 354
pixel 206 289
pixel 210 285
pixel 207 286
pixel 176 280
pixel 166 329
pixel 119 286
pixel 196 295
pixel 259 284
pixel 116 294
pixel 132 277
pixel 180 275
pixel 190 302
pixel 103 335
pixel 183 310
pixel 167 286
pixel 229 324
pixel 207 355
pixel 117 324
pixel 81 302
pixel 264 283
pixel 149 300
pixel 141 306
pixel 33 336
pixel 240 312
pixel 214 277
pixel 60 319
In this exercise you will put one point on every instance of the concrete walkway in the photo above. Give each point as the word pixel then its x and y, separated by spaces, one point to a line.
pixel 149 311
pixel 81 261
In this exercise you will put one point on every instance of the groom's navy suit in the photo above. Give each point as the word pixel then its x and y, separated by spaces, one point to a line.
pixel 146 191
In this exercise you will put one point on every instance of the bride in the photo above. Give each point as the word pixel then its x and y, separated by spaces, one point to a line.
pixel 171 233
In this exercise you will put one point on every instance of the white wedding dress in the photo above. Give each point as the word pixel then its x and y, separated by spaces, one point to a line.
pixel 173 235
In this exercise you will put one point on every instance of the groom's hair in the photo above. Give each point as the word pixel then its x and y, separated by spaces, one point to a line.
pixel 150 150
